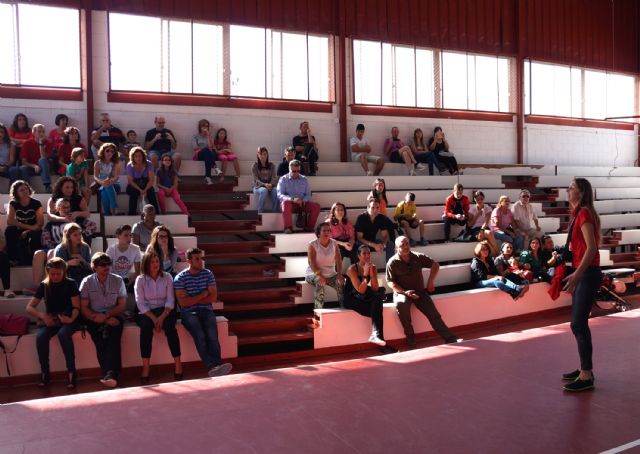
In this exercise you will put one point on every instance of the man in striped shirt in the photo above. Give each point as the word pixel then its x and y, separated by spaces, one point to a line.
pixel 196 292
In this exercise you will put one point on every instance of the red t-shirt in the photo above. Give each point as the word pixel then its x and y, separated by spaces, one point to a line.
pixel 577 244
pixel 20 135
pixel 56 137
pixel 64 154
pixel 30 151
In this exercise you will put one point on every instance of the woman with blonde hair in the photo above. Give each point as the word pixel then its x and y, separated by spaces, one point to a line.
pixel 73 250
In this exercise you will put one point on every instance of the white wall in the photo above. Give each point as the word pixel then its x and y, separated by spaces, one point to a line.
pixel 471 141
pixel 563 145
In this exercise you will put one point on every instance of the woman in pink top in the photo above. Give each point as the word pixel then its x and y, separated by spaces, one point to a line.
pixel 501 224
pixel 342 231
pixel 223 149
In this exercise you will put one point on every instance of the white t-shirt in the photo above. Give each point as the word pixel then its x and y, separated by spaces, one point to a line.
pixel 355 141
pixel 123 261
pixel 473 209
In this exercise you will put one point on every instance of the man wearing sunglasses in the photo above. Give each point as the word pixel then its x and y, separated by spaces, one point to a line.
pixel 103 299
pixel 295 197
pixel 525 220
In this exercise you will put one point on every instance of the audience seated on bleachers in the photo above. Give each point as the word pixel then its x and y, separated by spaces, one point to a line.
pixel 289 155
pixel 132 141
pixel 205 150
pixel 162 244
pixel 56 135
pixel 421 151
pixel 7 152
pixel 20 130
pixel 294 195
pixel 160 141
pixel 404 277
pixel 502 224
pixel 103 299
pixel 142 230
pixel 342 230
pixel 106 171
pixel 67 188
pixel 225 152
pixel 60 318
pixel 373 229
pixel 125 257
pixel 325 265
pixel 106 133
pixel 456 210
pixel 141 178
pixel 479 218
pixel 360 150
pixel 73 250
pixel 36 156
pixel 485 275
pixel 396 151
pixel 70 141
pixel 363 294
pixel 196 291
pixel 265 180
pixel 439 145
pixel 525 221
pixel 531 260
pixel 168 180
pixel 507 265
pixel 550 255
pixel 78 169
pixel 24 224
pixel 5 269
pixel 306 148
pixel 405 215
pixel 156 310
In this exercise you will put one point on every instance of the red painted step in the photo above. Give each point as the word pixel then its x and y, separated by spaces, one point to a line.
pixel 247 278
pixel 543 198
pixel 203 188
pixel 555 211
pixel 246 269
pixel 624 256
pixel 229 224
pixel 278 337
pixel 258 295
pixel 224 247
pixel 256 308
pixel 261 326
pixel 196 205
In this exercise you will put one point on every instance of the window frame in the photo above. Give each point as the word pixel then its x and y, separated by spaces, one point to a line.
pixel 227 100
pixel 51 92
pixel 429 112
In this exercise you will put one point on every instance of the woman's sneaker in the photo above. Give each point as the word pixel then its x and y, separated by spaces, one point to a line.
pixel 571 375
pixel 579 385
pixel 208 180
pixel 218 371
pixel 376 340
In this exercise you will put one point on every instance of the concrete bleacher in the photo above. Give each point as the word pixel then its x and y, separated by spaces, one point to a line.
pixel 339 327
pixel 25 359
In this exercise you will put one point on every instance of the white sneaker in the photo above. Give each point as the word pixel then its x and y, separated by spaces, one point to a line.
pixel 217 171
pixel 9 294
pixel 218 371
pixel 369 173
pixel 208 181
pixel 376 340
pixel 420 166
pixel 412 173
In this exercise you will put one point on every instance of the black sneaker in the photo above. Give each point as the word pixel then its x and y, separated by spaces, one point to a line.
pixel 571 375
pixel 386 349
pixel 453 340
pixel 579 385
pixel 411 341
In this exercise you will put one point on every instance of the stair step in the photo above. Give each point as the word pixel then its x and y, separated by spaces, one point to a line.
pixel 246 278
pixel 543 198
pixel 258 294
pixel 555 211
pixel 624 256
pixel 240 255
pixel 270 325
pixel 628 264
pixel 199 188
pixel 195 205
pixel 257 307
pixel 224 247
pixel 229 224
pixel 280 337
pixel 249 269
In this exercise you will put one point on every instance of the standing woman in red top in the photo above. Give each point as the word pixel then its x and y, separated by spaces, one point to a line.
pixel 585 280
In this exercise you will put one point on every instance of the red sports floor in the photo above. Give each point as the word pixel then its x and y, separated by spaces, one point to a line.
pixel 498 394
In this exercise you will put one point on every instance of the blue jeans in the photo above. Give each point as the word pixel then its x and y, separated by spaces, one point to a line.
pixel 518 241
pixel 108 197
pixel 261 193
pixel 507 286
pixel 25 172
pixel 428 158
pixel 209 157
pixel 64 333
pixel 202 325
pixel 583 297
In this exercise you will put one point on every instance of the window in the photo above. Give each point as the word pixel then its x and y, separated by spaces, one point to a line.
pixel 42 53
pixel 577 92
pixel 409 76
pixel 199 58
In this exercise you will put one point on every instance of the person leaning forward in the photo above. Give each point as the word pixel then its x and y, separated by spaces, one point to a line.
pixel 404 277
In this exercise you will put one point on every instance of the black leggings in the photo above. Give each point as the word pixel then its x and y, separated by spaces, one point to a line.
pixel 368 305
pixel 583 297
pixel 22 250
pixel 134 195
pixel 146 332
pixel 5 270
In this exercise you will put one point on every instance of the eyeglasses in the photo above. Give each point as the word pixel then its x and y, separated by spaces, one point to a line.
pixel 525 196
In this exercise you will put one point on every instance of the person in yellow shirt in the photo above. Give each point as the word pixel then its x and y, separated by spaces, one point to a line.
pixel 405 215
